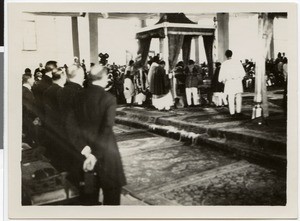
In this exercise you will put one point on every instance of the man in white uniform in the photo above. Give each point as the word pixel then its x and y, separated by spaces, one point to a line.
pixel 232 74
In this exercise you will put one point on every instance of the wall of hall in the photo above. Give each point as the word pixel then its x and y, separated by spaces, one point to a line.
pixel 53 39
pixel 47 38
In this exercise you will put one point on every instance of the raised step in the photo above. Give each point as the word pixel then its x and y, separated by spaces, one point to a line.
pixel 236 131
pixel 249 151
pixel 269 155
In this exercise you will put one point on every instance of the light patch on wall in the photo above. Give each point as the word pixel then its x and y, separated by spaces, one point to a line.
pixel 29 36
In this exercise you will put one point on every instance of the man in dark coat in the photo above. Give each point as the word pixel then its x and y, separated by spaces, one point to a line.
pixel 41 86
pixel 215 84
pixel 29 110
pixel 66 100
pixel 96 115
pixel 54 134
pixel 193 78
pixel 50 98
pixel 38 90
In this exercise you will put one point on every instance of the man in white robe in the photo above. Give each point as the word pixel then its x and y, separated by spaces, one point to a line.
pixel 232 74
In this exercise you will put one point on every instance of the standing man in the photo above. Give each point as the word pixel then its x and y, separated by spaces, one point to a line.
pixel 50 97
pixel 54 133
pixel 29 110
pixel 193 77
pixel 95 112
pixel 232 74
pixel 217 87
pixel 41 86
pixel 66 100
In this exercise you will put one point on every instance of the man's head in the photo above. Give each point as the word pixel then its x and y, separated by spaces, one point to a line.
pixel 279 55
pixel 228 54
pixel 191 63
pixel 180 64
pixel 75 59
pixel 50 65
pixel 155 59
pixel 285 60
pixel 99 75
pixel 40 65
pixel 27 79
pixel 218 64
pixel 131 62
pixel 75 74
pixel 162 63
pixel 38 76
pixel 27 71
pixel 59 76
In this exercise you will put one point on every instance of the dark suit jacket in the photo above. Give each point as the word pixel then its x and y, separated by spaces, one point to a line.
pixel 66 101
pixel 38 90
pixel 51 107
pixel 29 113
pixel 96 115
pixel 29 102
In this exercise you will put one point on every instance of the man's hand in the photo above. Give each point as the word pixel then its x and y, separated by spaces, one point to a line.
pixel 86 151
pixel 90 160
pixel 89 163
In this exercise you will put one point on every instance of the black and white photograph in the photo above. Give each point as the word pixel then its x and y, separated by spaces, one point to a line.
pixel 114 106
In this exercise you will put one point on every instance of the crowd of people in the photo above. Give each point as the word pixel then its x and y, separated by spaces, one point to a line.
pixel 276 72
pixel 151 86
pixel 69 112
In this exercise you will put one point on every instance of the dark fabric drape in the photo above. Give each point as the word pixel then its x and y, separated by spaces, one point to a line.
pixel 155 33
pixel 208 46
pixel 186 49
pixel 175 44
pixel 143 50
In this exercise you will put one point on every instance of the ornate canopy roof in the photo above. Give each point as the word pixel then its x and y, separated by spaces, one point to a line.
pixel 176 24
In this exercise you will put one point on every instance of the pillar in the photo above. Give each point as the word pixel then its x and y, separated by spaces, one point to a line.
pixel 271 52
pixel 271 49
pixel 166 49
pixel 167 67
pixel 93 30
pixel 265 32
pixel 197 50
pixel 223 35
pixel 75 37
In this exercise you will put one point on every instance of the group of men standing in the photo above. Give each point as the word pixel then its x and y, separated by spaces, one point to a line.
pixel 75 124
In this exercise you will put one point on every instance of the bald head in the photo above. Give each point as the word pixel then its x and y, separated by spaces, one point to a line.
pixel 99 75
pixel 97 72
pixel 75 74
